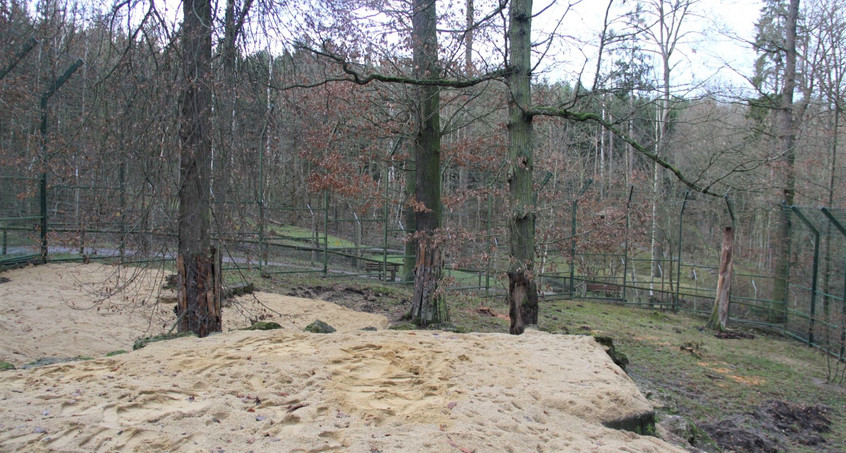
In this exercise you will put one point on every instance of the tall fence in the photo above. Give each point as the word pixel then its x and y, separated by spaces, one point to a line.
pixel 816 305
pixel 20 219
pixel 590 244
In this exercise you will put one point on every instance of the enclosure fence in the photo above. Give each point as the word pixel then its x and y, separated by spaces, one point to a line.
pixel 596 246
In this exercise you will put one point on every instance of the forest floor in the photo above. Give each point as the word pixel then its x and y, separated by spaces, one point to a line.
pixel 753 391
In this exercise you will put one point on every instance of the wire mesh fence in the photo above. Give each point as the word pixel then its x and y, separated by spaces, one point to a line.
pixel 622 247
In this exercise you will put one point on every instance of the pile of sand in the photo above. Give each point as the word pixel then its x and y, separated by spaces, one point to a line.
pixel 285 390
pixel 70 310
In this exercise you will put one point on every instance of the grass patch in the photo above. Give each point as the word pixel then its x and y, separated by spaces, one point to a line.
pixel 263 325
pixel 142 342
pixel 44 361
pixel 6 366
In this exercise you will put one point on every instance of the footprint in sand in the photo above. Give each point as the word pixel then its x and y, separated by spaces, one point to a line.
pixel 150 406
pixel 379 381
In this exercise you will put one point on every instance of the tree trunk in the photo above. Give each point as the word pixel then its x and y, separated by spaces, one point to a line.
pixel 787 139
pixel 427 303
pixel 198 301
pixel 410 221
pixel 719 316
pixel 522 290
pixel 427 272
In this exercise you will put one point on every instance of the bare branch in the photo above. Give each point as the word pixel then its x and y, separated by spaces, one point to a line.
pixel 585 117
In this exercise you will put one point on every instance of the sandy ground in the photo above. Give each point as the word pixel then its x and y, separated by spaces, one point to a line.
pixel 285 390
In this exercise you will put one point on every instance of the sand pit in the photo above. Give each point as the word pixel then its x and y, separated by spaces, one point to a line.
pixel 89 310
pixel 285 390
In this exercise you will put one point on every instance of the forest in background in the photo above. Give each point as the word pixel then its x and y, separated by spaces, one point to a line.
pixel 294 129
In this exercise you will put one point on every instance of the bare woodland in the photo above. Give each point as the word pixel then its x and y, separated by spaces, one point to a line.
pixel 202 134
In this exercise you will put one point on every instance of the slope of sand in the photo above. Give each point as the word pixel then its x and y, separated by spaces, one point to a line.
pixel 286 390
pixel 70 310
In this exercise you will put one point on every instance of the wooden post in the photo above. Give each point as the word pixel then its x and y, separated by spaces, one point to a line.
pixel 719 316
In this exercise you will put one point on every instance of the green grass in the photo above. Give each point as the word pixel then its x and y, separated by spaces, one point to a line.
pixel 711 376
pixel 680 366
pixel 142 342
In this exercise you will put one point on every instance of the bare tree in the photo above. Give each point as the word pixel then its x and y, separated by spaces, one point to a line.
pixel 522 288
pixel 198 277
pixel 427 304
pixel 787 154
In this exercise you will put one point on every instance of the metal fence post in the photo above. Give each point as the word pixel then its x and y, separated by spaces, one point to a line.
pixel 814 271
pixel 44 158
pixel 678 254
pixel 385 243
pixel 842 231
pixel 18 57
pixel 626 245
pixel 573 237
pixel 261 257
pixel 490 242
pixel 122 220
pixel 325 232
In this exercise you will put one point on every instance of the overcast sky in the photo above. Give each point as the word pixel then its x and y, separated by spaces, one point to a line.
pixel 714 53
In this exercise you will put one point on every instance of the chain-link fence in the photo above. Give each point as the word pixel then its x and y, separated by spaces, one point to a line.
pixel 623 247
pixel 20 219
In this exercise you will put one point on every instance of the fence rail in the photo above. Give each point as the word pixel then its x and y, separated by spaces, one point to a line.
pixel 598 253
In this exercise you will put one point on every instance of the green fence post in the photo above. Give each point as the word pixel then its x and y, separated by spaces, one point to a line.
pixel 122 221
pixel 262 246
pixel 678 263
pixel 385 243
pixel 842 231
pixel 626 245
pixel 18 57
pixel 490 242
pixel 573 247
pixel 43 198
pixel 814 271
pixel 47 94
pixel 325 233
pixel 573 238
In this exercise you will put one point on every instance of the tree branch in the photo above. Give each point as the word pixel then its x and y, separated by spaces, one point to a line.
pixel 360 77
pixel 585 117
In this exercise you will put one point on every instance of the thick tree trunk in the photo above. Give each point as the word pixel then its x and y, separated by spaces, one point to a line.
pixel 198 302
pixel 427 303
pixel 787 140
pixel 429 306
pixel 522 290
pixel 719 316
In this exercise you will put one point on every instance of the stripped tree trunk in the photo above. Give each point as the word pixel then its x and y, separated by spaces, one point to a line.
pixel 427 272
pixel 522 290
pixel 719 316
pixel 198 301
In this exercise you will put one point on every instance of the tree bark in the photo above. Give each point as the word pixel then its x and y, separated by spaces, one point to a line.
pixel 522 290
pixel 198 301
pixel 410 220
pixel 787 141
pixel 427 303
pixel 719 316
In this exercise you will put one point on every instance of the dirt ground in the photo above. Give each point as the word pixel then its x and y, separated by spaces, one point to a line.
pixel 288 390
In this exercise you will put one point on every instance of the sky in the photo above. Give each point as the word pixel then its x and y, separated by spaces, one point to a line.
pixel 716 51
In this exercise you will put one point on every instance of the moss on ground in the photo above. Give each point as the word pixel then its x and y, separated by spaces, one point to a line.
pixel 142 342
